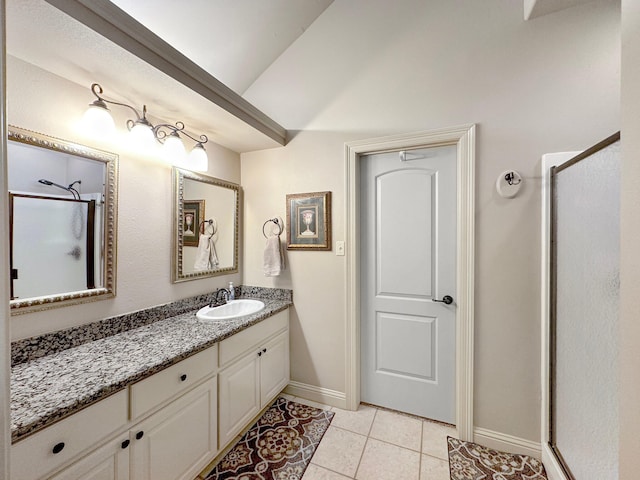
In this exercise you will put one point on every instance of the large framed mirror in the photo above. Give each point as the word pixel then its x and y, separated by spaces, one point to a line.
pixel 205 230
pixel 62 222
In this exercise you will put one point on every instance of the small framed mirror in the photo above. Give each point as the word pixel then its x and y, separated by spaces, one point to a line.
pixel 205 230
pixel 62 222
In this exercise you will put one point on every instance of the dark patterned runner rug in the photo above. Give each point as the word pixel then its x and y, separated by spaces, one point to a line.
pixel 278 447
pixel 470 461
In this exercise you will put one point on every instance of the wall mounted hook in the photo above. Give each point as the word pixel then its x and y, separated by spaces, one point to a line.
pixel 508 184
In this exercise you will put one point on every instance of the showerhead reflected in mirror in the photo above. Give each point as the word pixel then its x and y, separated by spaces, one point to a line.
pixel 205 233
pixel 62 222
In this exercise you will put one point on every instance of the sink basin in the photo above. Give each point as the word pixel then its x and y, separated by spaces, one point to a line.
pixel 232 309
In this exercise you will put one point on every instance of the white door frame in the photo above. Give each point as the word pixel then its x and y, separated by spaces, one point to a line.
pixel 464 138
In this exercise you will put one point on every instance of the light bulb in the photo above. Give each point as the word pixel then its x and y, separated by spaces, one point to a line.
pixel 198 159
pixel 97 121
pixel 142 136
pixel 173 150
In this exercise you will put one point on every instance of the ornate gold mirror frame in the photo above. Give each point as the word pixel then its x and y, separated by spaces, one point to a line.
pixel 107 287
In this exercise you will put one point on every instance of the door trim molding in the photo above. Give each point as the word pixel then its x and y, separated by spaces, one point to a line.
pixel 463 137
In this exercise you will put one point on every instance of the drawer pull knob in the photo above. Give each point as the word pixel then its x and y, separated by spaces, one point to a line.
pixel 57 448
pixel 125 444
pixel 183 377
pixel 139 435
pixel 259 354
pixel 264 350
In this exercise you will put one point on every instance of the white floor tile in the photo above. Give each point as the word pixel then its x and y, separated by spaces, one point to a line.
pixel 434 439
pixel 398 429
pixel 383 461
pixel 432 468
pixel 315 472
pixel 340 451
pixel 358 421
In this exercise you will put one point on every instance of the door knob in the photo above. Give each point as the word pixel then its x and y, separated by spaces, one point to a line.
pixel 447 300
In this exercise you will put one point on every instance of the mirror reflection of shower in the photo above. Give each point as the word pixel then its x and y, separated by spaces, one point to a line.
pixel 70 188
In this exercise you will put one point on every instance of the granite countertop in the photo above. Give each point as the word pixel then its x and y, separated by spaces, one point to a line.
pixel 49 388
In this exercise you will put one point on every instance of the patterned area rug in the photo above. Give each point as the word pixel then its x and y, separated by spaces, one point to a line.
pixel 278 447
pixel 470 461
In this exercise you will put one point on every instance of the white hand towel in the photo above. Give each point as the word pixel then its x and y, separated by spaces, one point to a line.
pixel 273 262
pixel 213 257
pixel 203 255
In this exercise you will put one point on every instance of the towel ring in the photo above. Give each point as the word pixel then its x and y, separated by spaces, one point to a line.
pixel 278 223
pixel 211 223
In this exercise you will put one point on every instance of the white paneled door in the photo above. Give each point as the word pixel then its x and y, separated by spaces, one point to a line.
pixel 408 267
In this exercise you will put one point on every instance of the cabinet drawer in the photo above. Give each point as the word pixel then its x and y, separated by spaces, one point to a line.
pixel 34 456
pixel 171 381
pixel 234 346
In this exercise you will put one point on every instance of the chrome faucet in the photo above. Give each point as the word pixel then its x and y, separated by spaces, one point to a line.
pixel 225 297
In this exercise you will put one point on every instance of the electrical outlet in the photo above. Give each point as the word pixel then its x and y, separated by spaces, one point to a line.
pixel 340 247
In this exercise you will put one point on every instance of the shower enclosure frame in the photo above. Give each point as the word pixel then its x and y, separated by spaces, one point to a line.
pixel 552 298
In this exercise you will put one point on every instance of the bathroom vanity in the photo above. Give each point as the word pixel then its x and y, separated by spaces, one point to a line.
pixel 156 402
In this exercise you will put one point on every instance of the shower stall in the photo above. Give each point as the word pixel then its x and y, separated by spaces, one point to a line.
pixel 582 414
pixel 52 244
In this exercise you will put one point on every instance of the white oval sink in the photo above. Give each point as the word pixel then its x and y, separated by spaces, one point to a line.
pixel 232 309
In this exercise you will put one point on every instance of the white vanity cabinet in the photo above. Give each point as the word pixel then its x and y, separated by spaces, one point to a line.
pixel 49 449
pixel 254 368
pixel 170 425
pixel 109 462
pixel 178 441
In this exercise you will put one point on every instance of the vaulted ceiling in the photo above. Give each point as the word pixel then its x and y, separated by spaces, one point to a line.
pixel 232 42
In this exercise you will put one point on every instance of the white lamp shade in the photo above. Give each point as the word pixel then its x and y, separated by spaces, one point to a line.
pixel 98 122
pixel 198 159
pixel 173 150
pixel 142 136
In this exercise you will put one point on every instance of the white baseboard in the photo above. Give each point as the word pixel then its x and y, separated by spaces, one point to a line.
pixel 325 396
pixel 507 443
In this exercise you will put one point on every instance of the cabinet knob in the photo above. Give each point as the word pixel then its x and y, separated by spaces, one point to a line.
pixel 125 444
pixel 260 354
pixel 139 435
pixel 57 448
pixel 264 350
pixel 183 377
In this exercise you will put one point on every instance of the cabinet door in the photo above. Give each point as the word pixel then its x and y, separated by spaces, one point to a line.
pixel 239 396
pixel 109 462
pixel 274 367
pixel 178 441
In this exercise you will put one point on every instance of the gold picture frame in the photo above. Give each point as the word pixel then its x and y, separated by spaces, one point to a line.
pixel 192 216
pixel 309 221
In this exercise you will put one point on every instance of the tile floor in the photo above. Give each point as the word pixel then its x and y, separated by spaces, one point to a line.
pixel 375 444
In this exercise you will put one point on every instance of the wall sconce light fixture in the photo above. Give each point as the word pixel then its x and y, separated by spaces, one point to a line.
pixel 98 118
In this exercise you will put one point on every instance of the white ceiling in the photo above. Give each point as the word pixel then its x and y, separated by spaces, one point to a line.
pixel 537 8
pixel 233 40
pixel 247 42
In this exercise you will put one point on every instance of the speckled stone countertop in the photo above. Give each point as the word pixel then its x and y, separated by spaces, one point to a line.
pixel 54 386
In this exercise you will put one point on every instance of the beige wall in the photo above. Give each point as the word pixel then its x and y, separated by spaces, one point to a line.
pixel 371 68
pixel 630 239
pixel 46 103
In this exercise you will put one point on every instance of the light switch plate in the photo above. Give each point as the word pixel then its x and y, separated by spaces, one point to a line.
pixel 340 247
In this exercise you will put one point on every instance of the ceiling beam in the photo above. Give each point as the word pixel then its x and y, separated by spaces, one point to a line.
pixel 111 22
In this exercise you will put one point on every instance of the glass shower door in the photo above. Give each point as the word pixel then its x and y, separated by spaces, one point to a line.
pixel 584 312
pixel 56 250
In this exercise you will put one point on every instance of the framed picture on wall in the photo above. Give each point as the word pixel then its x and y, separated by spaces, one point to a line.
pixel 192 215
pixel 309 221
